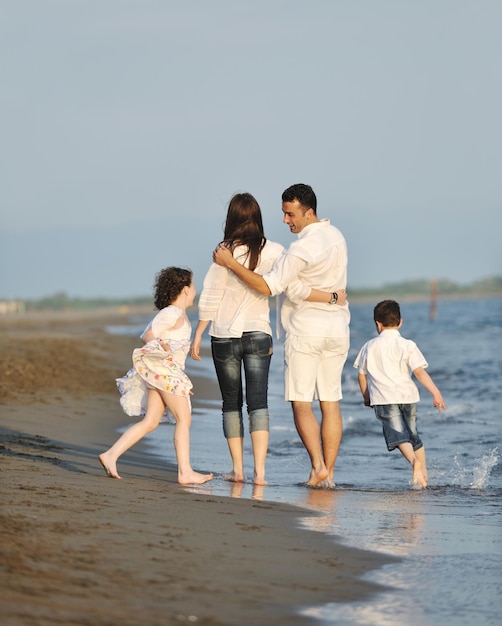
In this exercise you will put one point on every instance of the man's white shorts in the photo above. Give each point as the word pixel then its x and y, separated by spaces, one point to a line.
pixel 313 367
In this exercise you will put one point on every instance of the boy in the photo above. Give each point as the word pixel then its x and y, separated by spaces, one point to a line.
pixel 385 365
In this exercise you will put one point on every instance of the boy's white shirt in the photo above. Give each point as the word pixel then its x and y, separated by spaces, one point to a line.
pixel 388 362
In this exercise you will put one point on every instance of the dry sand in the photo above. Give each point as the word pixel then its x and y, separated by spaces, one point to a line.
pixel 78 548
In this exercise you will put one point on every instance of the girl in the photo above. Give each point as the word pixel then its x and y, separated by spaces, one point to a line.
pixel 157 379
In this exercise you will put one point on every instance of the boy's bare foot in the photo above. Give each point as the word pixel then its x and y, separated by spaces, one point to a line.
pixel 317 476
pixel 109 466
pixel 419 479
pixel 234 477
pixel 193 478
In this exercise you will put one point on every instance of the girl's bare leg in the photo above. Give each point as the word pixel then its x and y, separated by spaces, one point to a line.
pixel 154 411
pixel 180 408
pixel 235 446
pixel 259 439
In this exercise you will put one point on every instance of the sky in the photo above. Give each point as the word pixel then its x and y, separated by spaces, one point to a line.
pixel 127 126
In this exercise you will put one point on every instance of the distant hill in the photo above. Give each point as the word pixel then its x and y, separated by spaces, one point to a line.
pixel 487 287
pixel 416 289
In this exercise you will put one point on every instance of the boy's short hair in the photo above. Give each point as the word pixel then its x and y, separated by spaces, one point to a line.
pixel 387 313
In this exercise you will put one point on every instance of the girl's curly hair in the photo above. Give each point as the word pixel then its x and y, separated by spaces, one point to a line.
pixel 169 283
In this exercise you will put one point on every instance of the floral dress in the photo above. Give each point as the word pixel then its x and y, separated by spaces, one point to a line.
pixel 156 365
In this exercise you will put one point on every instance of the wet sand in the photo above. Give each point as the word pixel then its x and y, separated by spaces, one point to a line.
pixel 80 548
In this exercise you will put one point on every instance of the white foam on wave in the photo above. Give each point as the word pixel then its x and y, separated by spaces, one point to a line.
pixel 459 410
pixel 477 475
pixel 481 472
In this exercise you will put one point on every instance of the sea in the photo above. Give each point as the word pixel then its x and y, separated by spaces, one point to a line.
pixel 447 537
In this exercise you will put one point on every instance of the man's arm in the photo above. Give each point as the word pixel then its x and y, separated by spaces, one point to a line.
pixel 223 256
pixel 326 296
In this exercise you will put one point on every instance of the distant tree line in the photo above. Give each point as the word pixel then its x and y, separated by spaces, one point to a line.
pixel 487 287
pixel 61 301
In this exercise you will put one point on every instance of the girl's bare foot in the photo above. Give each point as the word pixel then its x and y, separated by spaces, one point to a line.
pixel 193 478
pixel 234 477
pixel 109 465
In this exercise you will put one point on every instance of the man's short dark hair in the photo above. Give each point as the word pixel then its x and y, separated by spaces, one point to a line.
pixel 388 313
pixel 303 193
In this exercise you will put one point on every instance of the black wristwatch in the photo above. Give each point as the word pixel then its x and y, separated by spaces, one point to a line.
pixel 334 298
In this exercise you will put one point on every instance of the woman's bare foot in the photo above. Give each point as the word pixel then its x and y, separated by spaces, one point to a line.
pixel 259 479
pixel 234 477
pixel 109 465
pixel 257 492
pixel 193 478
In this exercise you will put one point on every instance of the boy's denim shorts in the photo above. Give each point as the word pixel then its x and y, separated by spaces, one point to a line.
pixel 399 424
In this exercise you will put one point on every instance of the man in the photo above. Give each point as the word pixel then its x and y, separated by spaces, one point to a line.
pixel 317 326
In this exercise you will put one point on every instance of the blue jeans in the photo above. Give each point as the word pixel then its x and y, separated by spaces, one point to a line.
pixel 399 424
pixel 253 351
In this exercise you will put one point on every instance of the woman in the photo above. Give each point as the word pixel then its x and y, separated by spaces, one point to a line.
pixel 241 336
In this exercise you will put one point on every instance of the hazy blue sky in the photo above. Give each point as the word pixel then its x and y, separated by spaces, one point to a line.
pixel 128 125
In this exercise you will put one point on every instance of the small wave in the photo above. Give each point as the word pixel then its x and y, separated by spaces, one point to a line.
pixel 285 448
pixel 456 412
pixel 361 425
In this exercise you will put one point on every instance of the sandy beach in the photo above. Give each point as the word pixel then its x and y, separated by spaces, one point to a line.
pixel 80 548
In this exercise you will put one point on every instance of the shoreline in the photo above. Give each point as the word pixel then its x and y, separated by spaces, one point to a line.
pixel 79 547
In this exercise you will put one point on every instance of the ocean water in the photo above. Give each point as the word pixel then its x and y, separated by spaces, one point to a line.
pixel 448 537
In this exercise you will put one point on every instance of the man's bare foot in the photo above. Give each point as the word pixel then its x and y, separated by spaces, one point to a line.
pixel 329 483
pixel 419 479
pixel 234 477
pixel 109 466
pixel 193 478
pixel 317 476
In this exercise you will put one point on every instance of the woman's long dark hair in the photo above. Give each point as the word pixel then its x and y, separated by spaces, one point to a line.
pixel 244 226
